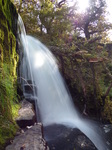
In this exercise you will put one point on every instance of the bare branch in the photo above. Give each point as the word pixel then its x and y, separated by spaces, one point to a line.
pixel 61 3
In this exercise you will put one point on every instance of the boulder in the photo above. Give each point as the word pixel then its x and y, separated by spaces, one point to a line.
pixel 27 115
pixel 60 137
pixel 31 139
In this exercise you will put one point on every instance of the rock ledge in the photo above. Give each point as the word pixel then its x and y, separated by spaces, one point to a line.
pixel 29 140
pixel 26 115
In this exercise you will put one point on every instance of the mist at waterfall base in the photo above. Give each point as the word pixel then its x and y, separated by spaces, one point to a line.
pixel 54 101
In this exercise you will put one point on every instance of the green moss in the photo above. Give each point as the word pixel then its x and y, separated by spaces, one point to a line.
pixel 7 131
pixel 8 11
pixel 8 76
pixel 13 55
pixel 12 41
pixel 1 55
pixel 1 34
pixel 15 109
pixel 8 107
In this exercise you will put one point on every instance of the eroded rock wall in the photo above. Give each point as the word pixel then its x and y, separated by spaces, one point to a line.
pixel 8 65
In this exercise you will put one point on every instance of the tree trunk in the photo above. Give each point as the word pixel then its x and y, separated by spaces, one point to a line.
pixel 109 88
pixel 94 87
pixel 82 85
pixel 106 94
pixel 86 31
pixel 62 65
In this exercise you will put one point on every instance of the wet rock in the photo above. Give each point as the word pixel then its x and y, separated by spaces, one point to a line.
pixel 108 134
pixel 31 139
pixel 84 143
pixel 30 92
pixel 60 137
pixel 26 115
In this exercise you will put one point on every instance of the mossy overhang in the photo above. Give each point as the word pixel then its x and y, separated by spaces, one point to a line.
pixel 8 12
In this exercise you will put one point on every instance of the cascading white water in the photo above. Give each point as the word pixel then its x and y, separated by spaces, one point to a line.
pixel 25 66
pixel 52 94
pixel 24 55
pixel 54 101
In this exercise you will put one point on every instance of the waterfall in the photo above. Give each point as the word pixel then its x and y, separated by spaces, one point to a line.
pixel 25 74
pixel 24 55
pixel 53 99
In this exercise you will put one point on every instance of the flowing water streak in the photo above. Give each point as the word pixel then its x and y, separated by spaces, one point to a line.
pixel 24 55
pixel 25 66
pixel 55 103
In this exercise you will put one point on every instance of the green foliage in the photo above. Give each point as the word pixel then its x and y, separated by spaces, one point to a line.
pixel 45 20
pixel 7 90
pixel 7 131
pixel 107 112
pixel 8 105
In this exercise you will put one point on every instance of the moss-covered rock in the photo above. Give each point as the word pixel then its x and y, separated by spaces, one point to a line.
pixel 8 64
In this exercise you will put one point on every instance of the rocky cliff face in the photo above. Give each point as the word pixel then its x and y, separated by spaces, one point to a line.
pixel 8 32
pixel 8 64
